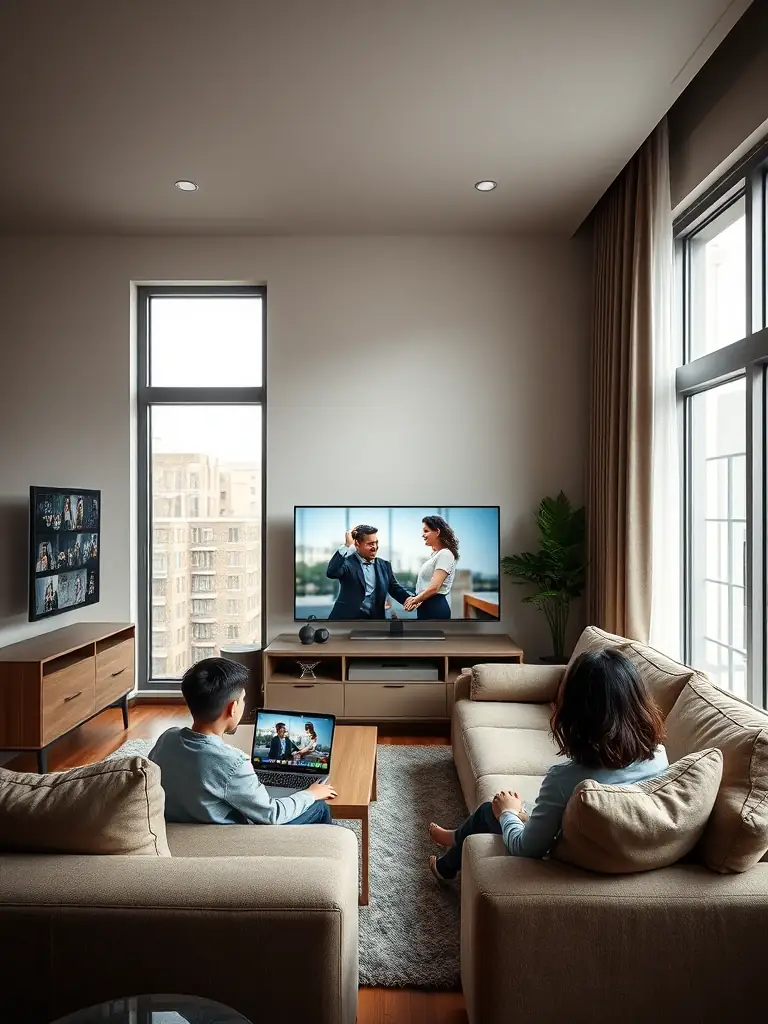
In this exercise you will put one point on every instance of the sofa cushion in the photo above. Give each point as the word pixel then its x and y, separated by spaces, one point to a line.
pixel 111 807
pixel 494 751
pixel 521 683
pixel 640 827
pixel 527 786
pixel 664 677
pixel 470 713
pixel 736 837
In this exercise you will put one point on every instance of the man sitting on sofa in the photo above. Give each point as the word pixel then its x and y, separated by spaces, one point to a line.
pixel 210 782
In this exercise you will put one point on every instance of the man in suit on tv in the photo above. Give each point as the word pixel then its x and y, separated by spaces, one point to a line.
pixel 365 580
pixel 281 748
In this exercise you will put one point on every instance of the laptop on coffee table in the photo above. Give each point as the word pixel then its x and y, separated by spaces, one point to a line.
pixel 291 751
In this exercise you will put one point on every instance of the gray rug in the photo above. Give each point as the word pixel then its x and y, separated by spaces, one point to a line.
pixel 409 932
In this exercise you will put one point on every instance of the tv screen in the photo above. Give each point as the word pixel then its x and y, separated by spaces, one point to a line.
pixel 65 549
pixel 367 563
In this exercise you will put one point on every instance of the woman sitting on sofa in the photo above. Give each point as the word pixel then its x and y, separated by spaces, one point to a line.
pixel 610 730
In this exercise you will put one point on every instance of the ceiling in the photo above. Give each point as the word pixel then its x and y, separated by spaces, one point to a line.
pixel 333 116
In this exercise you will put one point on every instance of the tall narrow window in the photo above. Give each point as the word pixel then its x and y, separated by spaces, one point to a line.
pixel 201 472
pixel 721 246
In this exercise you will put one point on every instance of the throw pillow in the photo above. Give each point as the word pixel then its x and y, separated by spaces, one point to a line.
pixel 736 837
pixel 525 684
pixel 646 825
pixel 113 807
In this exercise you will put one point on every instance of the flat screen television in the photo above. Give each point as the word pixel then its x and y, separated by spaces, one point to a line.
pixel 65 549
pixel 406 544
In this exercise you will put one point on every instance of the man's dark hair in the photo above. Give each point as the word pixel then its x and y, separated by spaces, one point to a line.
pixel 604 716
pixel 279 726
pixel 210 685
pixel 361 532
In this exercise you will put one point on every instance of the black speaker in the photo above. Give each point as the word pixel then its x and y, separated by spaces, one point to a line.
pixel 307 634
pixel 322 635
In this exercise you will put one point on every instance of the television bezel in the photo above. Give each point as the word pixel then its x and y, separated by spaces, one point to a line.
pixel 33 492
pixel 404 621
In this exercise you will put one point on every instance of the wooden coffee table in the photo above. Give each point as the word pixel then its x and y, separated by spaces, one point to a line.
pixel 353 776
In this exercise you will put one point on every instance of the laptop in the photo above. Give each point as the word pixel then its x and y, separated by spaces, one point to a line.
pixel 292 750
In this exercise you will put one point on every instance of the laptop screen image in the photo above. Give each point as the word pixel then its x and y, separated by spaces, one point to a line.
pixel 287 741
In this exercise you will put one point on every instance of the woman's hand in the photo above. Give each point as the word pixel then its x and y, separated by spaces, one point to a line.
pixel 411 603
pixel 505 801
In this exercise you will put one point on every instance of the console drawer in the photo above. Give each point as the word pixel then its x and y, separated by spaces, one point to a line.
pixel 114 672
pixel 395 700
pixel 326 698
pixel 68 697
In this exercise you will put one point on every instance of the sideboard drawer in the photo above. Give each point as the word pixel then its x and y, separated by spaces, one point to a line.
pixel 395 700
pixel 326 698
pixel 68 697
pixel 114 672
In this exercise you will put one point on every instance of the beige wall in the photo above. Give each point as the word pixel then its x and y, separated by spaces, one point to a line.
pixel 724 111
pixel 445 370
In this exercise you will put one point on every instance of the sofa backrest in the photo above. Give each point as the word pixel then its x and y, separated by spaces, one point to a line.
pixel 664 677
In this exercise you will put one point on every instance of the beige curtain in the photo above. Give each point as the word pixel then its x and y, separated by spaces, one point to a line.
pixel 619 502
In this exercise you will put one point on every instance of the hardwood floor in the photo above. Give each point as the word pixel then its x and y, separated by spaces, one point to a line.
pixel 105 733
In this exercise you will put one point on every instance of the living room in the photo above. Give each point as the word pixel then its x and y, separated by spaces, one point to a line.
pixel 420 340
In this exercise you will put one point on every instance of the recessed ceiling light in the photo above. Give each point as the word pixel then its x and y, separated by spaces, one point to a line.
pixel 485 186
pixel 186 186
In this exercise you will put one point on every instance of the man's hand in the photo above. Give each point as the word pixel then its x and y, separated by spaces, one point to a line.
pixel 505 801
pixel 349 540
pixel 411 603
pixel 322 791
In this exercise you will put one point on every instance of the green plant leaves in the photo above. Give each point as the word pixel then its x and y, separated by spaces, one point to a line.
pixel 557 570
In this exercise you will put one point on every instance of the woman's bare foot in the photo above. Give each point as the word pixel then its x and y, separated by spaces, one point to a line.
pixel 435 871
pixel 441 836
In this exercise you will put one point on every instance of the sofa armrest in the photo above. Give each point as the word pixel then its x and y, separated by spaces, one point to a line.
pixel 528 684
pixel 620 947
pixel 167 914
pixel 462 685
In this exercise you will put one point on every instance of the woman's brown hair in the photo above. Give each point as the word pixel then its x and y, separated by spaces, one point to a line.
pixel 447 536
pixel 604 716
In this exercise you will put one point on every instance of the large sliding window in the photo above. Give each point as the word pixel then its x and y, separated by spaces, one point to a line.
pixel 721 382
pixel 201 405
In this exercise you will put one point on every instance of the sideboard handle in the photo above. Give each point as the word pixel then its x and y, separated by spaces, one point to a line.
pixel 303 686
pixel 119 672
pixel 394 686
pixel 68 699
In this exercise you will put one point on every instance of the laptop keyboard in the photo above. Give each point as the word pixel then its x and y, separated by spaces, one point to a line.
pixel 286 779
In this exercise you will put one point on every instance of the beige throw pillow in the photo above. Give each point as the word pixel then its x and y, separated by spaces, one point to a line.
pixel 524 684
pixel 736 837
pixel 646 825
pixel 115 806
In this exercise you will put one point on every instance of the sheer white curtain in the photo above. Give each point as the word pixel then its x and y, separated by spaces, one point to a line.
pixel 666 480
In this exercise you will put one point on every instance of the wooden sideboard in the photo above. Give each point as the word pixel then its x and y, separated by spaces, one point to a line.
pixel 375 700
pixel 52 683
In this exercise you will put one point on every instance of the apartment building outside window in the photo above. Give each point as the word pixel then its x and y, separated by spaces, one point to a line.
pixel 201 472
pixel 721 385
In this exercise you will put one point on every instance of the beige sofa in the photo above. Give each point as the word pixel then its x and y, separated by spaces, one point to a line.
pixel 251 917
pixel 546 942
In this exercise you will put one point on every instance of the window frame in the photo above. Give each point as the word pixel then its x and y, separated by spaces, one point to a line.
pixel 147 397
pixel 745 358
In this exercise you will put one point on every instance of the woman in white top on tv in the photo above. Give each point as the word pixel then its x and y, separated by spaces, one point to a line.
pixel 435 579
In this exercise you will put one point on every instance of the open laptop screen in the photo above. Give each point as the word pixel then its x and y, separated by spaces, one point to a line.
pixel 288 741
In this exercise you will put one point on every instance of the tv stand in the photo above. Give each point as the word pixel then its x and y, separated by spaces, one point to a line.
pixel 397 632
pixel 422 697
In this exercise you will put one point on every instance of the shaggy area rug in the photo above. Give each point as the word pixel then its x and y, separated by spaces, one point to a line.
pixel 409 932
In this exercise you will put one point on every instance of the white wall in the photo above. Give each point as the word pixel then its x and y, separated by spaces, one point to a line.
pixel 400 370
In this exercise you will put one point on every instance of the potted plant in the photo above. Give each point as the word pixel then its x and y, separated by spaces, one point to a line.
pixel 557 570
